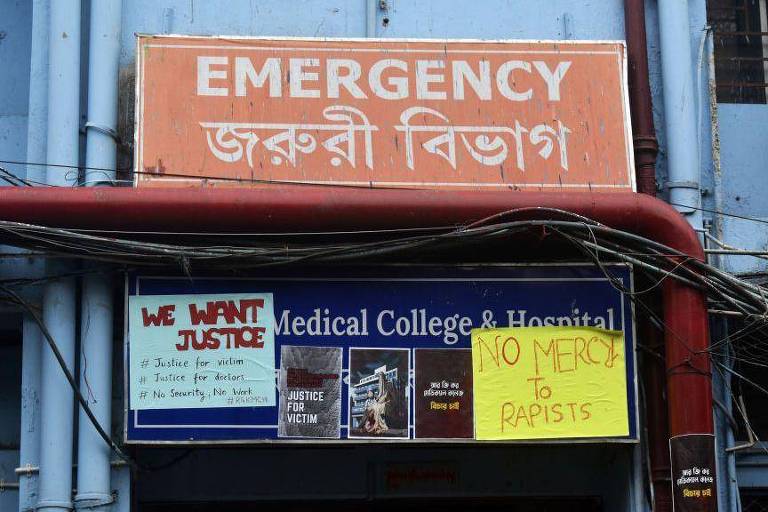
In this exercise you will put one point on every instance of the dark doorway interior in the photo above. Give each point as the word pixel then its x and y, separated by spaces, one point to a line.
pixel 510 504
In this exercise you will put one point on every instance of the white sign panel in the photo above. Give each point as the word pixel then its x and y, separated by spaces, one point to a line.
pixel 188 351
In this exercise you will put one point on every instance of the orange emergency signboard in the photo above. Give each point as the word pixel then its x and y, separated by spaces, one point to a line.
pixel 518 115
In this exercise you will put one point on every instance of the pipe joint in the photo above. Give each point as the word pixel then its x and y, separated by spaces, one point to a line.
pixel 93 500
pixel 53 505
pixel 685 195
pixel 646 144
pixel 105 130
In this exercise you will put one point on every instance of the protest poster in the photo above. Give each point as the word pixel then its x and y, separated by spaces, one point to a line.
pixel 191 351
pixel 549 383
pixel 443 394
pixel 378 393
pixel 310 392
pixel 694 484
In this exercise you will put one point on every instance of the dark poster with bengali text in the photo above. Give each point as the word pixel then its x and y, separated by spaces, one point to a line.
pixel 310 392
pixel 443 407
pixel 694 483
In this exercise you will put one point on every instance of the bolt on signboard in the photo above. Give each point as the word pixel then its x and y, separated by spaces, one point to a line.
pixel 396 353
pixel 519 115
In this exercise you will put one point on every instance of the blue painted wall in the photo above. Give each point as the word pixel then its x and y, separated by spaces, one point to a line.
pixel 744 160
pixel 15 42
pixel 15 45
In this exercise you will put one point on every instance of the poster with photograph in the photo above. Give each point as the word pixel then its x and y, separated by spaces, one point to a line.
pixel 378 393
pixel 443 394
pixel 310 392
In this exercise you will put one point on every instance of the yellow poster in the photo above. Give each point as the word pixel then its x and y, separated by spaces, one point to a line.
pixel 549 383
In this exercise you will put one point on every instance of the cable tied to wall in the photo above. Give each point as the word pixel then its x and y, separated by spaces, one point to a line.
pixel 727 294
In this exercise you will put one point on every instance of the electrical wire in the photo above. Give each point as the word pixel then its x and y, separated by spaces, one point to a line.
pixel 664 261
pixel 15 298
pixel 726 293
pixel 26 306
pixel 720 212
pixel 131 171
pixel 202 177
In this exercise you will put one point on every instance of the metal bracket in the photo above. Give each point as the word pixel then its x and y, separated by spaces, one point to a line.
pixel 93 500
pixel 752 440
pixel 683 184
pixel 106 130
pixel 27 470
pixel 5 486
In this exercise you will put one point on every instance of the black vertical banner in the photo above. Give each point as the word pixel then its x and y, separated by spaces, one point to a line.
pixel 310 392
pixel 694 483
pixel 443 394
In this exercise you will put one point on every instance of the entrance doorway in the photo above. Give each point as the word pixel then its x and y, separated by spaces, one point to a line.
pixel 510 504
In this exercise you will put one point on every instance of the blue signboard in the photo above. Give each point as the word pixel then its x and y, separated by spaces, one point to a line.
pixel 367 343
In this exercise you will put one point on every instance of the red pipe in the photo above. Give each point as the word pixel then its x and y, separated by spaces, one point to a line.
pixel 646 149
pixel 654 377
pixel 641 106
pixel 324 208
